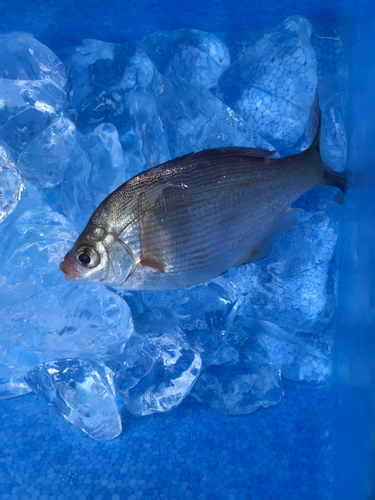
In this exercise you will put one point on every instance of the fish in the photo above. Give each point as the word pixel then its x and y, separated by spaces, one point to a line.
pixel 193 218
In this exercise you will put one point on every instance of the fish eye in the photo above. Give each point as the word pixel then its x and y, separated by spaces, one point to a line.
pixel 88 256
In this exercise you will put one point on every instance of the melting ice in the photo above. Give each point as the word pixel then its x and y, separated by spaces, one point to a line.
pixel 73 127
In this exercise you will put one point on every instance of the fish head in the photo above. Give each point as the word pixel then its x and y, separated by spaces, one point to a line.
pixel 98 256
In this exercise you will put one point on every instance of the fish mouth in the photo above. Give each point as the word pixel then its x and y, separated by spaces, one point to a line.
pixel 71 274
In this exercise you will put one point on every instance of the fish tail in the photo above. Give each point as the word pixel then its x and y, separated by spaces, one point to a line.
pixel 337 179
pixel 315 123
pixel 330 177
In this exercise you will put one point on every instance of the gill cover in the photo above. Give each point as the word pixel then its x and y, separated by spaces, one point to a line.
pixel 120 261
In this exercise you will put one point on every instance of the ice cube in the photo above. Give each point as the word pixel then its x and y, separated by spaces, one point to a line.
pixel 45 159
pixel 82 392
pixel 25 58
pixel 100 76
pixel 75 195
pixel 26 109
pixel 333 81
pixel 148 129
pixel 95 169
pixel 334 142
pixel 239 42
pixel 132 165
pixel 33 239
pixel 12 371
pixel 194 119
pixel 241 388
pixel 44 317
pixel 196 56
pixel 297 359
pixel 290 288
pixel 156 373
pixel 11 185
pixel 203 312
pixel 72 320
pixel 104 152
pixel 134 160
pixel 272 86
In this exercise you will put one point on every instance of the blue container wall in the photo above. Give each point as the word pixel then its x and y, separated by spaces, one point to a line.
pixel 60 23
pixel 356 314
pixel 63 23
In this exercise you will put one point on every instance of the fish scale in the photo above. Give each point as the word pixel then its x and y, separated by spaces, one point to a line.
pixel 203 240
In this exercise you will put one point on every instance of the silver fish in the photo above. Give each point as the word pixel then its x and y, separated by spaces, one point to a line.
pixel 193 218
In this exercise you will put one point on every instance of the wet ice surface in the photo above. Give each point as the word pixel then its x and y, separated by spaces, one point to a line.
pixel 77 127
pixel 82 391
pixel 241 388
pixel 154 374
pixel 11 185
pixel 43 317
pixel 272 85
pixel 197 57
pixel 193 120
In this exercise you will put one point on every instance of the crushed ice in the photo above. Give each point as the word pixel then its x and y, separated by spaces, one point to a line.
pixel 74 127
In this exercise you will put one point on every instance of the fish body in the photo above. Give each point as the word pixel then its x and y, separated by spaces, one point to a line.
pixel 193 218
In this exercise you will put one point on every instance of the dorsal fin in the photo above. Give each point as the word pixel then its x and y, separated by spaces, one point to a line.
pixel 227 152
pixel 233 151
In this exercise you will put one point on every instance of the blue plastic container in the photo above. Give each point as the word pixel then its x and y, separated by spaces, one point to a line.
pixel 316 444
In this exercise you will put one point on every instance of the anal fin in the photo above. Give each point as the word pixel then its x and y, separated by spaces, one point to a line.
pixel 264 249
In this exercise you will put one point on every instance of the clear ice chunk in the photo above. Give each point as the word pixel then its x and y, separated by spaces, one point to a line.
pixel 75 195
pixel 89 322
pixel 238 43
pixel 148 129
pixel 11 185
pixel 43 317
pixel 297 359
pixel 156 373
pixel 45 159
pixel 272 86
pixel 240 389
pixel 95 169
pixel 134 160
pixel 25 58
pixel 333 138
pixel 12 371
pixel 333 83
pixel 290 288
pixel 194 119
pixel 100 76
pixel 32 241
pixel 26 109
pixel 82 392
pixel 104 151
pixel 196 56
pixel 334 141
pixel 203 312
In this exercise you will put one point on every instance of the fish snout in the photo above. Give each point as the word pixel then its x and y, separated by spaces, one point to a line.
pixel 67 266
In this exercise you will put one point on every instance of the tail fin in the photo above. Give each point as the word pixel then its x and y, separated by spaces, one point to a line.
pixel 315 123
pixel 331 178
pixel 337 179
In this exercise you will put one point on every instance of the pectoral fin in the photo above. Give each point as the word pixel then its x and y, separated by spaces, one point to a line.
pixel 264 249
pixel 149 227
pixel 152 262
